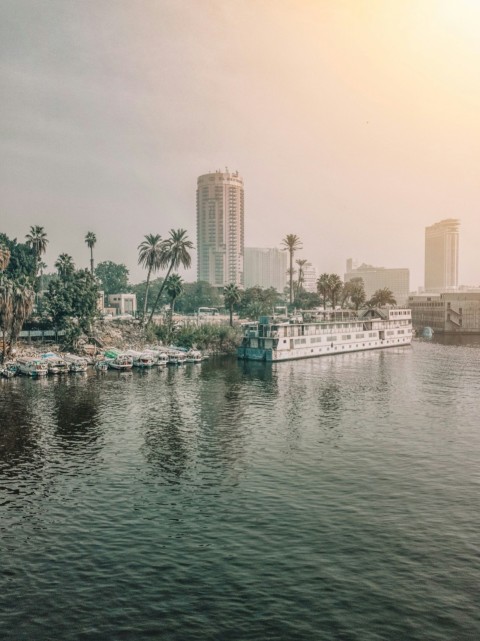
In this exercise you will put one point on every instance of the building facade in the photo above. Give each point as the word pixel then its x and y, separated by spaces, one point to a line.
pixel 396 279
pixel 220 228
pixel 310 278
pixel 123 303
pixel 266 267
pixel 447 313
pixel 441 256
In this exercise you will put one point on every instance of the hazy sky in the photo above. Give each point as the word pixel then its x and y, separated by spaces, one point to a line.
pixel 354 123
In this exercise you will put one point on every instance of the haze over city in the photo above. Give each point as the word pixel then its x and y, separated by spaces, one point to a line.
pixel 354 124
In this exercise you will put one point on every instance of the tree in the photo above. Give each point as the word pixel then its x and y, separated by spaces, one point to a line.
pixel 91 240
pixel 301 262
pixel 113 277
pixel 335 286
pixel 16 305
pixel 198 294
pixel 231 296
pixel 22 259
pixel 4 258
pixel 291 243
pixel 37 240
pixel 256 301
pixel 323 288
pixel 174 252
pixel 354 292
pixel 174 288
pixel 382 297
pixel 71 302
pixel 150 257
pixel 65 266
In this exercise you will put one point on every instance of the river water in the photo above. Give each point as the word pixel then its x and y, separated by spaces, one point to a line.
pixel 333 498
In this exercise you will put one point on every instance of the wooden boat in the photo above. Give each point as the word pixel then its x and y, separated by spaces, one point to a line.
pixel 55 364
pixel 32 366
pixel 141 359
pixel 118 360
pixel 9 369
pixel 76 363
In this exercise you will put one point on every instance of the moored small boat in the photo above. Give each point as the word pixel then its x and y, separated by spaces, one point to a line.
pixel 118 360
pixel 9 369
pixel 55 364
pixel 101 366
pixel 141 359
pixel 76 363
pixel 194 356
pixel 30 366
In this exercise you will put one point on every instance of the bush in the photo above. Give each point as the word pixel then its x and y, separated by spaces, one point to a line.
pixel 214 338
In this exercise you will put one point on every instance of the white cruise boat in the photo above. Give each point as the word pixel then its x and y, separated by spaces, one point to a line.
pixel 32 366
pixel 322 333
pixel 76 363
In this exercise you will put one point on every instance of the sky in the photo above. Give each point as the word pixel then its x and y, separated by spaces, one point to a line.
pixel 354 123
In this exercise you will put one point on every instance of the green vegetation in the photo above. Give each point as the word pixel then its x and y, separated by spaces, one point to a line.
pixel 213 338
pixel 91 240
pixel 291 243
pixel 382 297
pixel 150 257
pixel 174 253
pixel 232 296
pixel 113 277
pixel 71 302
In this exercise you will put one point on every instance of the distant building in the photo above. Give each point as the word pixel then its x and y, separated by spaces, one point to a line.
pixel 266 267
pixel 220 228
pixel 310 278
pixel 448 312
pixel 397 279
pixel 123 303
pixel 441 256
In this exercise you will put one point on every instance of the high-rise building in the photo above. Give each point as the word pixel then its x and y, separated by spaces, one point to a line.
pixel 441 256
pixel 310 278
pixel 220 228
pixel 397 280
pixel 265 267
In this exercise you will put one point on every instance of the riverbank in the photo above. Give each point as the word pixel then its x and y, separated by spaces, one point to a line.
pixel 123 335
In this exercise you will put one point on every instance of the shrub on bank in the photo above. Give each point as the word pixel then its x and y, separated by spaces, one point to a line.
pixel 213 338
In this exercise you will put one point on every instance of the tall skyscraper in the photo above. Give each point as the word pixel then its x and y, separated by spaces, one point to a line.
pixel 441 255
pixel 265 267
pixel 220 228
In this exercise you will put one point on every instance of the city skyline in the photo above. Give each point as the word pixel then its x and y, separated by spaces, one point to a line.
pixel 376 138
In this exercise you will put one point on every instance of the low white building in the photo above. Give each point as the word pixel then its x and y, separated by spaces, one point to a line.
pixel 123 303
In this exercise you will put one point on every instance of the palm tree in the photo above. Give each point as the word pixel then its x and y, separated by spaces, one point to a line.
pixel 174 252
pixel 6 309
pixel 23 297
pixel 65 266
pixel 4 258
pixel 91 239
pixel 150 257
pixel 335 286
pixel 174 288
pixel 323 288
pixel 382 297
pixel 291 243
pixel 37 240
pixel 231 296
pixel 301 262
pixel 354 291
